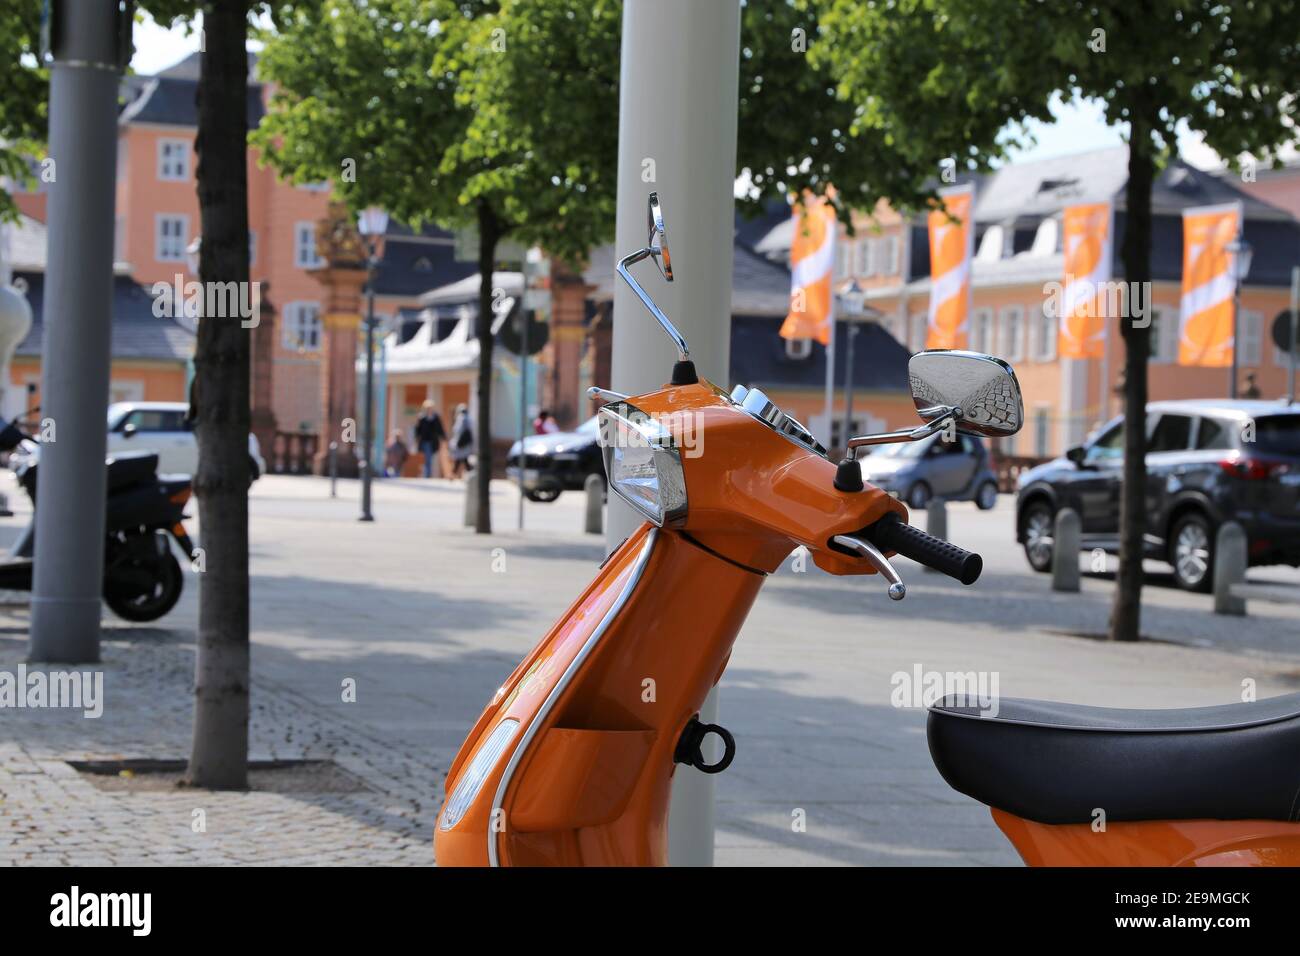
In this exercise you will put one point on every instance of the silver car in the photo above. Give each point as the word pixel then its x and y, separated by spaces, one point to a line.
pixel 918 471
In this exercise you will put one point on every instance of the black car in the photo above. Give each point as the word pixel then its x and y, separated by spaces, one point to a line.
pixel 1207 461
pixel 560 461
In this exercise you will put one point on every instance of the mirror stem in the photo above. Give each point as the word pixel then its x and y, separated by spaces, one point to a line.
pixel 905 434
pixel 621 268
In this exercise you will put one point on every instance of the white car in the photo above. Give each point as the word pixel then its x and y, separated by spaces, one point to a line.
pixel 159 427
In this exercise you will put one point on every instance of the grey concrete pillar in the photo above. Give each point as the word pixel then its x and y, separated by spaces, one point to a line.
pixel 1230 562
pixel 471 500
pixel 594 519
pixel 1065 550
pixel 936 521
pixel 70 482
pixel 678 107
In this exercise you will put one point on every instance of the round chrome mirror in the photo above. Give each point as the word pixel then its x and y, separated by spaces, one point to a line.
pixel 657 242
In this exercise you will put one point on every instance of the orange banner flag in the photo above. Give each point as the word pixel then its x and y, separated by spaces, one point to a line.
pixel 812 262
pixel 1088 254
pixel 1205 317
pixel 951 245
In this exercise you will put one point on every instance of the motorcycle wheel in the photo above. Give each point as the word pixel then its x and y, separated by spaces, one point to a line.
pixel 166 581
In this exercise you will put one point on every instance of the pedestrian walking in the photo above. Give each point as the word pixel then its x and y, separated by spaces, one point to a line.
pixel 544 423
pixel 462 442
pixel 429 435
pixel 395 455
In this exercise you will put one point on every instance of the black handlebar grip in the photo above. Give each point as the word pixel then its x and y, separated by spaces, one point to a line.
pixel 891 533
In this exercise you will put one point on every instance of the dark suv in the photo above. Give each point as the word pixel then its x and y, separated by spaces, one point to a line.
pixel 1207 462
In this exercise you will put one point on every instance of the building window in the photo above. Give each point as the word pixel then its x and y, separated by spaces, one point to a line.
pixel 893 246
pixel 862 257
pixel 920 327
pixel 843 257
pixel 1011 333
pixel 1044 335
pixel 1164 334
pixel 1252 338
pixel 302 326
pixel 252 248
pixel 119 239
pixel 305 255
pixel 981 331
pixel 798 348
pixel 169 237
pixel 1042 431
pixel 173 160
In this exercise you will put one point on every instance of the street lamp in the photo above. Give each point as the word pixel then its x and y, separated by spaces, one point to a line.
pixel 371 223
pixel 1241 252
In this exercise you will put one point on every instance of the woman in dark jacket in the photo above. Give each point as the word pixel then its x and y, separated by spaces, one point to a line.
pixel 429 435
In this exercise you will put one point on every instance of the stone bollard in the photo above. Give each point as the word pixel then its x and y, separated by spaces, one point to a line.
pixel 1065 550
pixel 334 469
pixel 594 521
pixel 936 521
pixel 471 501
pixel 1229 568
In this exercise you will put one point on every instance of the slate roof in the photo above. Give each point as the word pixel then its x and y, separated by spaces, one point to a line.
pixel 412 265
pixel 759 359
pixel 171 101
pixel 137 333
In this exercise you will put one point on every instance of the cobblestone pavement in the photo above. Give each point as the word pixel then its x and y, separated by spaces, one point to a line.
pixel 427 618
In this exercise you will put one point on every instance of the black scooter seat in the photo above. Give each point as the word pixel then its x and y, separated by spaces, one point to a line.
pixel 130 469
pixel 1059 763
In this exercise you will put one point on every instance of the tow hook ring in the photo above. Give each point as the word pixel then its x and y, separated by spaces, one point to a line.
pixel 690 746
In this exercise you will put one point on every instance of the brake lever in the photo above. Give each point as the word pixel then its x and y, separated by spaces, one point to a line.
pixel 897 589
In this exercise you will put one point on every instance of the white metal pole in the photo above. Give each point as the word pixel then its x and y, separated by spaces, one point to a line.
pixel 678 103
pixel 1295 321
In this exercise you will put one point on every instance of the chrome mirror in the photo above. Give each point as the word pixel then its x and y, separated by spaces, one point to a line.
pixel 657 242
pixel 656 248
pixel 974 393
pixel 979 391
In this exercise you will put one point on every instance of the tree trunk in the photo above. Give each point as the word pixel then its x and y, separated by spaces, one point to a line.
pixel 219 757
pixel 1126 614
pixel 489 232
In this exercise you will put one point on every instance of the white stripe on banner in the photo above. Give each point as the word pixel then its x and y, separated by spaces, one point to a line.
pixel 816 265
pixel 1207 295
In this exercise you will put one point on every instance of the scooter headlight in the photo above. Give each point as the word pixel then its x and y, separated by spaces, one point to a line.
pixel 471 779
pixel 643 463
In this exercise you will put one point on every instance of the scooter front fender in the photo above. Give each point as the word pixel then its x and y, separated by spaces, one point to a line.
pixel 584 777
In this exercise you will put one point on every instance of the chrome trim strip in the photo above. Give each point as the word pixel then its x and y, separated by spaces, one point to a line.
pixel 583 653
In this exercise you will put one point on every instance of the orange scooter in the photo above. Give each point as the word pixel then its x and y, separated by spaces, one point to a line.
pixel 571 761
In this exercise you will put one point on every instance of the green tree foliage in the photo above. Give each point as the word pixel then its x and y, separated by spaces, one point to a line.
pixel 23 89
pixel 961 78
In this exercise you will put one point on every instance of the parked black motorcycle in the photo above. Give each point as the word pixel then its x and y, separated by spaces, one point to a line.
pixel 142 578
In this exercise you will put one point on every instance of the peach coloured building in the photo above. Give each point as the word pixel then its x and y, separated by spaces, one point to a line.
pixel 1018 253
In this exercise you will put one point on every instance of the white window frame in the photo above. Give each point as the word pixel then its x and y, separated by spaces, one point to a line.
pixel 862 257
pixel 1251 329
pixel 1011 338
pixel 1164 334
pixel 843 257
pixel 893 254
pixel 798 349
pixel 252 248
pixel 171 169
pixel 305 256
pixel 981 330
pixel 160 252
pixel 1044 334
pixel 298 328
pixel 918 329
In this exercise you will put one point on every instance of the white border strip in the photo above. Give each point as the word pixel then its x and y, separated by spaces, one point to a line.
pixel 531 730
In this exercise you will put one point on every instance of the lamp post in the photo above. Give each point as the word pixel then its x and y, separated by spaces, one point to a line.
pixel 852 300
pixel 1242 253
pixel 371 223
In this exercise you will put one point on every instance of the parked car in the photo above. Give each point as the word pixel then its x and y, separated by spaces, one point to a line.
pixel 159 427
pixel 560 461
pixel 918 471
pixel 1208 461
